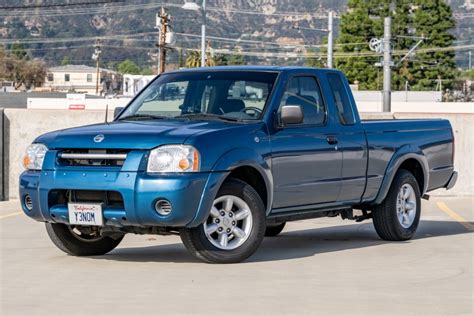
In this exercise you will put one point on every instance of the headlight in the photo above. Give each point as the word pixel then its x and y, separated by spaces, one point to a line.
pixel 174 158
pixel 34 156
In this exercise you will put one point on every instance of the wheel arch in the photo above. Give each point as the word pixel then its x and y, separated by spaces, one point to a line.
pixel 409 158
pixel 244 164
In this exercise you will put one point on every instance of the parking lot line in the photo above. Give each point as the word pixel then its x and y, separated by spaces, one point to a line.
pixel 461 220
pixel 10 215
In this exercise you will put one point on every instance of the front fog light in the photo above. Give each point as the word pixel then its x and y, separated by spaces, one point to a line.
pixel 28 202
pixel 163 207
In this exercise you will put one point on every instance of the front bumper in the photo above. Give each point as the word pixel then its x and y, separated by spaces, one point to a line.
pixel 191 195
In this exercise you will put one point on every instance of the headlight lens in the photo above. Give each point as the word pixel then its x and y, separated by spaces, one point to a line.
pixel 174 158
pixel 34 156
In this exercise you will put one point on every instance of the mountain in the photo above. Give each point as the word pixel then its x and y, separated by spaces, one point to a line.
pixel 129 28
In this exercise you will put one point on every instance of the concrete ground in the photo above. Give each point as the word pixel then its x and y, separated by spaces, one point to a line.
pixel 322 266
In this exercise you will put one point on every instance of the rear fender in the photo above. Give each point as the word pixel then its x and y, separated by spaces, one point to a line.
pixel 401 155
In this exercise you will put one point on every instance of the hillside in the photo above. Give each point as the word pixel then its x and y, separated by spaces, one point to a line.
pixel 56 33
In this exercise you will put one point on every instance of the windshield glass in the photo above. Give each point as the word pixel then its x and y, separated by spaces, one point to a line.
pixel 222 94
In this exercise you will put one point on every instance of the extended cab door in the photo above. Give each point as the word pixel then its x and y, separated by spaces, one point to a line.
pixel 306 164
pixel 351 138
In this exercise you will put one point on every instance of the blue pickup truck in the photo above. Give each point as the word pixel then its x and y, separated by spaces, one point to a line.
pixel 225 156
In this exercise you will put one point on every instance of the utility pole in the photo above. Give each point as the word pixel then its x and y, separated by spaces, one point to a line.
pixel 330 39
pixel 387 64
pixel 470 60
pixel 96 57
pixel 162 24
pixel 203 34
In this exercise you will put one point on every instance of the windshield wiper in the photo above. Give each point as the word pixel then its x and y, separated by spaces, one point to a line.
pixel 141 116
pixel 209 115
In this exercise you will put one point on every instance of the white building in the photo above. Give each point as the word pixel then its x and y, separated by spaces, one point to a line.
pixel 81 79
pixel 132 84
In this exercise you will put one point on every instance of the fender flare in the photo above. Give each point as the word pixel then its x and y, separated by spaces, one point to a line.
pixel 399 157
pixel 233 159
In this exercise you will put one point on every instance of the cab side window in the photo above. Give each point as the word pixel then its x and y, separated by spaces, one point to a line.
pixel 305 92
pixel 341 99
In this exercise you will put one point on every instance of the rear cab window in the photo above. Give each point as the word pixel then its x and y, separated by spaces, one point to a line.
pixel 341 99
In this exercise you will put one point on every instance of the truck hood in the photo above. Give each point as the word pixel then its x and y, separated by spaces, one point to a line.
pixel 130 135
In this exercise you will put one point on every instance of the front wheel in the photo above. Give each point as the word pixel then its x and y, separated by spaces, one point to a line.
pixel 234 229
pixel 274 230
pixel 397 217
pixel 81 241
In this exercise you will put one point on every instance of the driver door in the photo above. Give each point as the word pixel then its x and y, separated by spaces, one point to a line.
pixel 306 163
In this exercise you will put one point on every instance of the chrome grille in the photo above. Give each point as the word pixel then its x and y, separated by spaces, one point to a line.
pixel 93 157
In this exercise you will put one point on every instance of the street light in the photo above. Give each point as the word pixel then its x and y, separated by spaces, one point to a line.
pixel 193 6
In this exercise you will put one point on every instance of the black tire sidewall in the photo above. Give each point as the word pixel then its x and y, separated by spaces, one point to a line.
pixel 406 233
pixel 274 230
pixel 385 217
pixel 63 238
pixel 195 238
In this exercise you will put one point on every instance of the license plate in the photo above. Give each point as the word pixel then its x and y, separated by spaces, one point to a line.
pixel 85 214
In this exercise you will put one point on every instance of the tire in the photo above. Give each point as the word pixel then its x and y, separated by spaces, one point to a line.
pixel 391 223
pixel 66 239
pixel 208 247
pixel 274 230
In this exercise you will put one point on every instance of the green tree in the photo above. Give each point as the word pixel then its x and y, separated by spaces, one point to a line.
pixel 193 60
pixel 146 71
pixel 221 59
pixel 434 19
pixel 364 20
pixel 66 60
pixel 19 51
pixel 236 59
pixel 128 67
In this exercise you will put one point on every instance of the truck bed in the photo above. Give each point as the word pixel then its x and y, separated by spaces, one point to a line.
pixel 388 138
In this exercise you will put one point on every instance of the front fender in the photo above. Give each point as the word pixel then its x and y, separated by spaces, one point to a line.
pixel 400 156
pixel 248 157
pixel 229 161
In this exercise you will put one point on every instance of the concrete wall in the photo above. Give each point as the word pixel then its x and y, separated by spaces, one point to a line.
pixel 398 96
pixel 62 104
pixel 2 171
pixel 418 107
pixel 23 126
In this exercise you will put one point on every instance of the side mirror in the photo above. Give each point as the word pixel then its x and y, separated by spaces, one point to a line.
pixel 117 111
pixel 291 114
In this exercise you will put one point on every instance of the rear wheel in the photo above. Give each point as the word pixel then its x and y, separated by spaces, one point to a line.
pixel 397 217
pixel 234 229
pixel 81 241
pixel 274 230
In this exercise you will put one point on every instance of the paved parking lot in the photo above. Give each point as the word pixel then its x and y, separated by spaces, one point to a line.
pixel 317 266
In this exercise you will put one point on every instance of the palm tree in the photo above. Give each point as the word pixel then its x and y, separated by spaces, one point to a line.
pixel 194 60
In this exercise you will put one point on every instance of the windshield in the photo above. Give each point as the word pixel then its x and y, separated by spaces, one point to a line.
pixel 237 95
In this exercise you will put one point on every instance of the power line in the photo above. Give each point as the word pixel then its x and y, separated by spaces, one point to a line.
pixel 60 5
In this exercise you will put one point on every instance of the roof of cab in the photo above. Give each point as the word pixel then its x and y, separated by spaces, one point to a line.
pixel 247 68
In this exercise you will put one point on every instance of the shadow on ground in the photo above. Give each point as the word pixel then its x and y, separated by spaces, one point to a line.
pixel 293 244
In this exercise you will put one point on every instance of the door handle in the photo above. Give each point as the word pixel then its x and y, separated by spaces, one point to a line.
pixel 332 140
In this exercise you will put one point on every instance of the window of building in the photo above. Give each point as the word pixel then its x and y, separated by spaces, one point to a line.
pixel 50 77
pixel 89 77
pixel 66 77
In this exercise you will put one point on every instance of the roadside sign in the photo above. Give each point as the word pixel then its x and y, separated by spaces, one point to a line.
pixel 76 101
